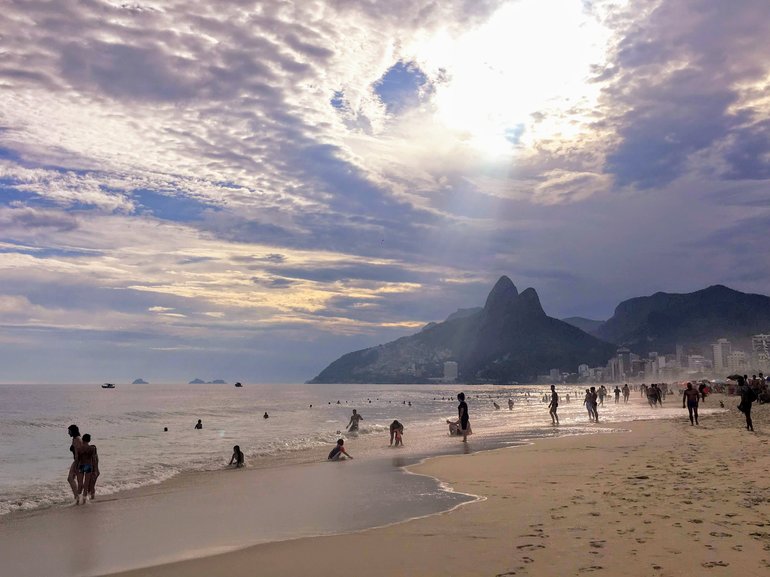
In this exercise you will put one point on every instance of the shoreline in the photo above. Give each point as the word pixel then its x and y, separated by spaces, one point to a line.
pixel 199 486
pixel 646 474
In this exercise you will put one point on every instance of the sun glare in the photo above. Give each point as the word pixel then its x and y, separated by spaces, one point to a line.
pixel 531 56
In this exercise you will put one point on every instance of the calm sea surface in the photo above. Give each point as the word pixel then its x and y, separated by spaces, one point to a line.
pixel 126 424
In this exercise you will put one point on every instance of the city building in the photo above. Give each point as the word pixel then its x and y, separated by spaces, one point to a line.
pixel 698 364
pixel 721 349
pixel 738 362
pixel 450 371
pixel 624 363
pixel 760 345
pixel 554 375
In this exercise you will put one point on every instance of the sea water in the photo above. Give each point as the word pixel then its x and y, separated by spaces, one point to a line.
pixel 127 425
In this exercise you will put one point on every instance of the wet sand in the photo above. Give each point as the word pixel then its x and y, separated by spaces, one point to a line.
pixel 201 514
pixel 662 499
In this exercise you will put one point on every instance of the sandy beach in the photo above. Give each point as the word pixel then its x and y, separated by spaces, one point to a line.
pixel 641 498
pixel 662 498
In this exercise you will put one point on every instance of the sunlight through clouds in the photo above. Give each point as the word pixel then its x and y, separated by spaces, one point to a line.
pixel 243 176
pixel 531 56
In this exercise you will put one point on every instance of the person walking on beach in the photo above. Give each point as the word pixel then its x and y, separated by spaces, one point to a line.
pixel 199 424
pixel 396 430
pixel 617 394
pixel 690 397
pixel 748 396
pixel 87 460
pixel 510 404
pixel 626 393
pixel 462 413
pixel 353 423
pixel 338 453
pixel 74 432
pixel 553 405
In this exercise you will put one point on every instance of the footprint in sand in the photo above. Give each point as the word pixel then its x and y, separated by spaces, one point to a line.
pixel 719 534
pixel 597 544
pixel 530 547
pixel 696 521
pixel 712 564
pixel 590 569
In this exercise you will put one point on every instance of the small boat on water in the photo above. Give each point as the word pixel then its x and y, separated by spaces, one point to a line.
pixel 108 386
pixel 238 385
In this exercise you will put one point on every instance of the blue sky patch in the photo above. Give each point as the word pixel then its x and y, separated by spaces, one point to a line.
pixel 401 86
pixel 173 208
pixel 338 100
pixel 513 135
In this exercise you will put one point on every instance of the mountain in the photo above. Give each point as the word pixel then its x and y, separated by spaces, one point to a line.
pixel 140 381
pixel 197 382
pixel 663 320
pixel 509 339
pixel 587 325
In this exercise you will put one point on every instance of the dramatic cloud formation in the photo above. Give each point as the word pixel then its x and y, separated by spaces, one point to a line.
pixel 248 189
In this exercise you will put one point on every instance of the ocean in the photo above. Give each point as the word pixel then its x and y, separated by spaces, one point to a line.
pixel 127 425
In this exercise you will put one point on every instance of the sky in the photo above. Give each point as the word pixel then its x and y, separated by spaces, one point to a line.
pixel 248 190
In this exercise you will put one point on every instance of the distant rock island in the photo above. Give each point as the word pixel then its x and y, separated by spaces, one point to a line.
pixel 140 381
pixel 661 321
pixel 510 339
pixel 202 382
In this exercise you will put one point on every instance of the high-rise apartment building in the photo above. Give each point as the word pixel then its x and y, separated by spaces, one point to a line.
pixel 722 349
pixel 760 345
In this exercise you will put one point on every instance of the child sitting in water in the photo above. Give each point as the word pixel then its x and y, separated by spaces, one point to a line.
pixel 237 457
pixel 338 452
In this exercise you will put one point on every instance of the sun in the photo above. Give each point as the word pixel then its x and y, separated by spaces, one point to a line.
pixel 530 57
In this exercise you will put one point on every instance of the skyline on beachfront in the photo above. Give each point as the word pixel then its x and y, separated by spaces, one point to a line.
pixel 247 190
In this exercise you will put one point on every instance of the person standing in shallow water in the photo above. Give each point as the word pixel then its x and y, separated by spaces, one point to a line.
pixel 553 405
pixel 690 397
pixel 354 419
pixel 87 467
pixel 462 412
pixel 589 405
pixel 595 404
pixel 74 432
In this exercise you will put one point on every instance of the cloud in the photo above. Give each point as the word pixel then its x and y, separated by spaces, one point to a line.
pixel 250 176
pixel 685 80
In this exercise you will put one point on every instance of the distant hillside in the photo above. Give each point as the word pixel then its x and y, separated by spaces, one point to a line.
pixel 587 325
pixel 663 320
pixel 510 339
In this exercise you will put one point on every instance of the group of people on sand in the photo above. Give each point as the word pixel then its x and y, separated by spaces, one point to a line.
pixel 84 469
